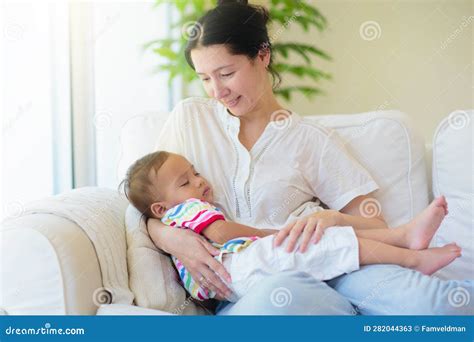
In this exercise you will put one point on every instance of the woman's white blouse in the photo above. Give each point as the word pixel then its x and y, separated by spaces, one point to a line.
pixel 294 164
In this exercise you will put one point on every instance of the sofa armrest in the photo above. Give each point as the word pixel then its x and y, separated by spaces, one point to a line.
pixel 49 267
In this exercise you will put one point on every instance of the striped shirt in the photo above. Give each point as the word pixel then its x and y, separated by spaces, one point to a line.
pixel 197 215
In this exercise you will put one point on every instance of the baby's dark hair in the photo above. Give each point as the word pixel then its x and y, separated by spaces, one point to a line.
pixel 138 186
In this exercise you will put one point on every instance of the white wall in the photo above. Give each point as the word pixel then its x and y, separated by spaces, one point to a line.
pixel 35 158
pixel 422 62
pixel 124 83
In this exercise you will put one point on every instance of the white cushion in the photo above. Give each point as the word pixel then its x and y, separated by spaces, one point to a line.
pixel 153 279
pixel 388 146
pixel 48 267
pixel 453 176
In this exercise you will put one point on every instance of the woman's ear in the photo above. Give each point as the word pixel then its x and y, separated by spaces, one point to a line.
pixel 264 55
pixel 158 209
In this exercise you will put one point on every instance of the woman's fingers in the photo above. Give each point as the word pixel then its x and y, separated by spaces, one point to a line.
pixel 213 282
pixel 307 234
pixel 210 248
pixel 282 234
pixel 201 280
pixel 201 274
pixel 219 269
pixel 318 233
pixel 295 234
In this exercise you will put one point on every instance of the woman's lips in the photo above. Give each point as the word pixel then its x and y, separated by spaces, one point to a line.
pixel 234 102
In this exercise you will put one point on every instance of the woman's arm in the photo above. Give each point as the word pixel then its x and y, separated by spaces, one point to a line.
pixel 222 231
pixel 195 253
pixel 312 227
pixel 363 212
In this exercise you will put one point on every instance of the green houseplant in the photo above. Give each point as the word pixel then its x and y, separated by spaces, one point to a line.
pixel 283 14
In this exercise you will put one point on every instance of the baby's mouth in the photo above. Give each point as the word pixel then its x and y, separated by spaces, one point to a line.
pixel 206 191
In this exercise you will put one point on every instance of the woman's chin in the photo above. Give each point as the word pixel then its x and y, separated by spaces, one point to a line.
pixel 236 111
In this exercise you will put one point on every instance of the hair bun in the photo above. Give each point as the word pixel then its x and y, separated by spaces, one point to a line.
pixel 226 2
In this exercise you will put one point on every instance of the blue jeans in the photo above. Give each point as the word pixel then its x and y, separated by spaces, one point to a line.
pixel 373 290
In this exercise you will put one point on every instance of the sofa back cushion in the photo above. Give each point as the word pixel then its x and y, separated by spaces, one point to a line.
pixel 388 146
pixel 453 177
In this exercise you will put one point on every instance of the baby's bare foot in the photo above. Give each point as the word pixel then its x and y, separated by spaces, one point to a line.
pixel 420 230
pixel 430 260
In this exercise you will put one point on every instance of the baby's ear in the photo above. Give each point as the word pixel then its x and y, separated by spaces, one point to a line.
pixel 158 209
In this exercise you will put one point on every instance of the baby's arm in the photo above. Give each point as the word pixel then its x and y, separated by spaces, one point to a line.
pixel 222 231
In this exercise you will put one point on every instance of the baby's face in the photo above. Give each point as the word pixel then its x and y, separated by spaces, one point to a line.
pixel 179 181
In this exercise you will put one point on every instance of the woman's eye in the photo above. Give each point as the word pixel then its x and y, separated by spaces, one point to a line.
pixel 227 75
pixel 204 79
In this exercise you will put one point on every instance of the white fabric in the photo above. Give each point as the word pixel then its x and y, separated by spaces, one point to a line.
pixel 100 213
pixel 393 152
pixel 293 161
pixel 153 279
pixel 453 177
pixel 337 253
pixel 30 284
pixel 55 255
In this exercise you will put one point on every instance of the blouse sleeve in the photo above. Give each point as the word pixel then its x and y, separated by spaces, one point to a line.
pixel 192 214
pixel 339 178
pixel 171 136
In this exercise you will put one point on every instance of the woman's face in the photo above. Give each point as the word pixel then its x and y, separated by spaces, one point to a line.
pixel 237 82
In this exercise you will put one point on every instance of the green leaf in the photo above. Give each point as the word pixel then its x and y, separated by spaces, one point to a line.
pixel 308 92
pixel 302 49
pixel 165 52
pixel 301 71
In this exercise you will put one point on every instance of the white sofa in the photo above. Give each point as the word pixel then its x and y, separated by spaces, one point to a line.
pixel 50 265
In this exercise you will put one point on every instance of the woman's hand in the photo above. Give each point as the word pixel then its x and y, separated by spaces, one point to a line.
pixel 310 227
pixel 195 253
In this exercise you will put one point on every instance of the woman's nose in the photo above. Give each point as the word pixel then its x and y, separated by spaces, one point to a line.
pixel 219 91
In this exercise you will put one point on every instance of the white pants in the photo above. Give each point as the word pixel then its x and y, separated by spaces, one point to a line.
pixel 335 254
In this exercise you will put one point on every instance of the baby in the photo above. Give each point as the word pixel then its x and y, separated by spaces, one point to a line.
pixel 166 186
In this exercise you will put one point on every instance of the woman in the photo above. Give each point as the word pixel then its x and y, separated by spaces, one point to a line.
pixel 268 165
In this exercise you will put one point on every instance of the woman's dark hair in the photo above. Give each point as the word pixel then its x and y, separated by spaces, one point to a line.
pixel 241 27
